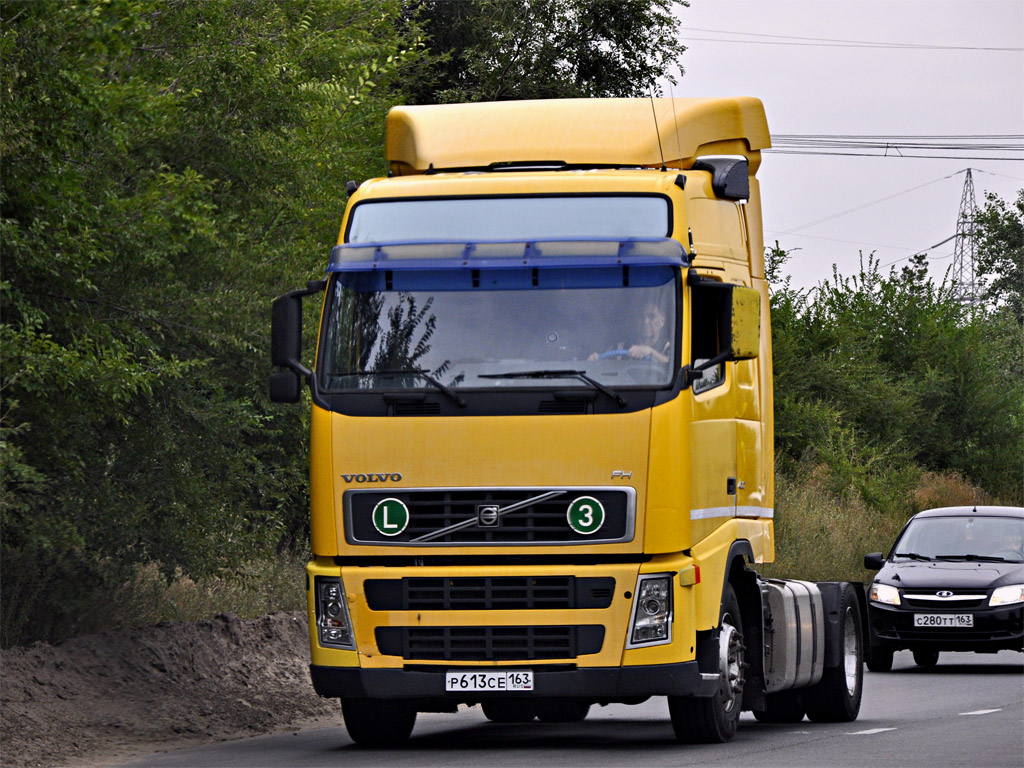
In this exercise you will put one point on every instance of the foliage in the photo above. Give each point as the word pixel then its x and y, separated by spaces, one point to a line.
pixel 879 376
pixel 1000 232
pixel 167 167
pixel 495 50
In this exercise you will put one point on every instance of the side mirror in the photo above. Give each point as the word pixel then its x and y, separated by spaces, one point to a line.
pixel 286 333
pixel 286 343
pixel 285 386
pixel 745 326
pixel 874 561
pixel 726 322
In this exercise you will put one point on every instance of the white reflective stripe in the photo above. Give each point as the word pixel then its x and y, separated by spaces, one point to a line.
pixel 710 512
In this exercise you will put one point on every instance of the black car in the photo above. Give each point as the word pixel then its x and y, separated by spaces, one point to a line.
pixel 953 581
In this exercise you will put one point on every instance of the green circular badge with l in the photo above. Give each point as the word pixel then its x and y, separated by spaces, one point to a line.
pixel 585 515
pixel 390 517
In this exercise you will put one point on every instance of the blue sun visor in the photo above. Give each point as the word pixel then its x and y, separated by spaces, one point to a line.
pixel 505 255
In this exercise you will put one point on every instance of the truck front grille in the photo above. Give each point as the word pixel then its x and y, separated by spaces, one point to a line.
pixel 489 643
pixel 488 593
pixel 488 516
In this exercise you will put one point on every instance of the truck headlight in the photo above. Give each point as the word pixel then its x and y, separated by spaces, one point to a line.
pixel 883 593
pixel 1008 595
pixel 332 622
pixel 652 611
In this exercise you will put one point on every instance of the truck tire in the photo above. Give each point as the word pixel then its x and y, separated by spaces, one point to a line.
pixel 508 710
pixel 926 658
pixel 782 707
pixel 880 659
pixel 836 698
pixel 378 723
pixel 561 710
pixel 713 719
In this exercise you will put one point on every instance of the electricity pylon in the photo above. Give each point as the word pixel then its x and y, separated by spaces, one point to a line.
pixel 964 246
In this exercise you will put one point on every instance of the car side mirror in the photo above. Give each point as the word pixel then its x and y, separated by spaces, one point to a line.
pixel 874 561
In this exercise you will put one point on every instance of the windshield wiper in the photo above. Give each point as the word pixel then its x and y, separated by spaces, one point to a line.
pixel 559 374
pixel 451 393
pixel 980 558
pixel 913 556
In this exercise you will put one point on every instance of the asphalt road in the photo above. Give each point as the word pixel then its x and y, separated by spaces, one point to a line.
pixel 967 711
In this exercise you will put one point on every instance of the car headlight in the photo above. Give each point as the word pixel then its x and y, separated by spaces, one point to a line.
pixel 883 593
pixel 1008 595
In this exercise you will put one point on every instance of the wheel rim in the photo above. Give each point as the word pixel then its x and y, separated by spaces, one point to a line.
pixel 850 665
pixel 730 645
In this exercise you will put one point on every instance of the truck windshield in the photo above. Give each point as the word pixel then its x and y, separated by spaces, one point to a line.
pixel 510 218
pixel 480 330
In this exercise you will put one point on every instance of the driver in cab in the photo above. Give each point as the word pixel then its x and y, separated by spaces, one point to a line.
pixel 653 345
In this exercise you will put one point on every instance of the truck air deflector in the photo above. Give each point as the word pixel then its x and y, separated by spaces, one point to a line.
pixel 661 251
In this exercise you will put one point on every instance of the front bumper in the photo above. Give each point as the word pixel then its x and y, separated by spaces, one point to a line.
pixel 995 629
pixel 597 684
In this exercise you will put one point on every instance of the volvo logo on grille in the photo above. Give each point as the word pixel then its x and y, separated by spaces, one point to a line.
pixel 487 515
pixel 373 477
pixel 944 593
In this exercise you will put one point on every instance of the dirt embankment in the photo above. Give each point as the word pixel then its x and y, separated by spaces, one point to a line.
pixel 104 698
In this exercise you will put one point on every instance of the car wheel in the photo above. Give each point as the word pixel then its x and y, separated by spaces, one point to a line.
pixel 880 659
pixel 926 658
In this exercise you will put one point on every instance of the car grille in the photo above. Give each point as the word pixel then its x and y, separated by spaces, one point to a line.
pixel 930 601
pixel 541 518
pixel 489 643
pixel 489 593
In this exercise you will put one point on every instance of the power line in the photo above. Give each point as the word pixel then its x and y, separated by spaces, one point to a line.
pixel 875 154
pixel 930 147
pixel 824 42
pixel 867 205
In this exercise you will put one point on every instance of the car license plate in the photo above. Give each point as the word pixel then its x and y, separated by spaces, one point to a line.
pixel 944 620
pixel 509 680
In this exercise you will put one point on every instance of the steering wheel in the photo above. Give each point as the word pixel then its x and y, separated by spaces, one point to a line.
pixel 613 354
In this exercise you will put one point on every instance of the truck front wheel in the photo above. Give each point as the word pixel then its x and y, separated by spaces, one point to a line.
pixel 713 719
pixel 378 723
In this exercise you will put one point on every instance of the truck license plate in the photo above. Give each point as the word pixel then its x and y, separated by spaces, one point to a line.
pixel 944 620
pixel 510 680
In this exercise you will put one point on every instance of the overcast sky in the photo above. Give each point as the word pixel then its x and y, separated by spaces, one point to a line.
pixel 797 57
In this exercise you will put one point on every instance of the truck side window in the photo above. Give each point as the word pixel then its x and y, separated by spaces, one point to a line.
pixel 706 311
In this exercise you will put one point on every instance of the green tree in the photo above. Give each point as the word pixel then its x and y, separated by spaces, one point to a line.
pixel 168 167
pixel 496 50
pixel 1000 232
pixel 878 374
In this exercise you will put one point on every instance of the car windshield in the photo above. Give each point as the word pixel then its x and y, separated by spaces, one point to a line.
pixel 492 329
pixel 962 537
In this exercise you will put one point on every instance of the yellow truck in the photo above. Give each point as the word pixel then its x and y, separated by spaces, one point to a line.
pixel 541 460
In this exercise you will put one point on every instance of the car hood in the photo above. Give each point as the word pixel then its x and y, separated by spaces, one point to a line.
pixel 951 575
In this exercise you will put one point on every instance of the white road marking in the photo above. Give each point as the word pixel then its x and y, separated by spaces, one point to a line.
pixel 869 732
pixel 981 712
